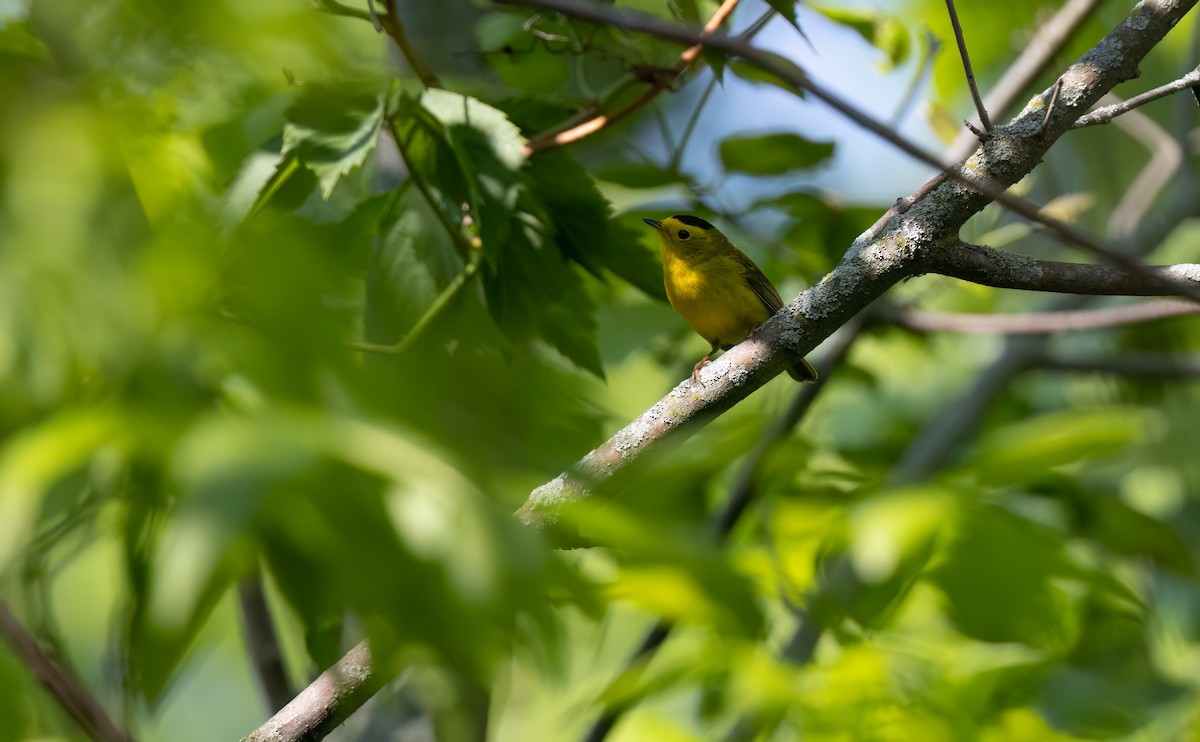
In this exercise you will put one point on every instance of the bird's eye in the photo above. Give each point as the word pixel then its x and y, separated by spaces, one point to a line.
pixel 684 234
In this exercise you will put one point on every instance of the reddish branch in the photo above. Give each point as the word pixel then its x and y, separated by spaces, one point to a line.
pixel 67 690
pixel 593 123
pixel 1039 323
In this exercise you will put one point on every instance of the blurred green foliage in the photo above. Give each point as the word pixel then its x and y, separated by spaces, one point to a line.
pixel 270 309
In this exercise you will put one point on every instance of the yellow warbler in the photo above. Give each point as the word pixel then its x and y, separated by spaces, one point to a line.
pixel 716 287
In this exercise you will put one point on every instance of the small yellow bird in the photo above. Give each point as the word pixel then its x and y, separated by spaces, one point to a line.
pixel 716 287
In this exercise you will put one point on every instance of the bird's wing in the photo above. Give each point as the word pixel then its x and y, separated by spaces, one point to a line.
pixel 759 283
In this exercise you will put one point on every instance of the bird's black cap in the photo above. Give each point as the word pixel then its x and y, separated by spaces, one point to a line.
pixel 693 221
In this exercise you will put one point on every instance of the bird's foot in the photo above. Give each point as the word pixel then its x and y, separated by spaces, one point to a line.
pixel 696 372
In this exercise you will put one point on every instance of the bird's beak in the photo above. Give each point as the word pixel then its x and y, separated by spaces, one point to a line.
pixel 655 223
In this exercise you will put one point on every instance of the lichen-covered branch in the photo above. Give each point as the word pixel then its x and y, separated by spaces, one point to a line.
pixel 984 265
pixel 325 703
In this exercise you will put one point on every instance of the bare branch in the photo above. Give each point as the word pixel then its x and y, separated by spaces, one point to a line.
pixel 1039 323
pixel 966 60
pixel 325 703
pixel 990 267
pixel 1108 113
pixel 67 690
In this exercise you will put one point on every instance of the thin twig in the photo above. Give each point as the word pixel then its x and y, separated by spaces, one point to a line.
pixel 59 681
pixel 610 716
pixel 690 126
pixel 394 28
pixel 1053 102
pixel 1108 113
pixel 443 300
pixel 557 137
pixel 374 16
pixel 966 60
pixel 1039 323
pixel 456 234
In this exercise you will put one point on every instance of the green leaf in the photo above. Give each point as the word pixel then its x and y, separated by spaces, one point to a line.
pixel 1000 576
pixel 224 467
pixel 772 154
pixel 477 127
pixel 586 229
pixel 756 74
pixel 536 293
pixel 31 462
pixel 884 31
pixel 787 9
pixel 17 40
pixel 331 131
pixel 412 263
pixel 1026 450
pixel 639 175
pixel 476 154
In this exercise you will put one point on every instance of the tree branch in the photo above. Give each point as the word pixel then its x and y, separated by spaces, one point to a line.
pixel 1039 323
pixel 325 703
pixel 59 681
pixel 390 23
pixel 1004 270
pixel 1108 113
pixel 980 108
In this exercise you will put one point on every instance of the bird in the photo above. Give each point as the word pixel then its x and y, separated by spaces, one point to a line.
pixel 716 287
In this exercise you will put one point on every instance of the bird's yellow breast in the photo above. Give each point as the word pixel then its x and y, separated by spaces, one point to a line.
pixel 713 296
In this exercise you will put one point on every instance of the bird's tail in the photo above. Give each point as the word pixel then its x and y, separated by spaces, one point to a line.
pixel 802 371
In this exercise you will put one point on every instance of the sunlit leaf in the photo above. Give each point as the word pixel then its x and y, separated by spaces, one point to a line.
pixel 882 30
pixel 32 462
pixel 331 131
pixel 1026 449
pixel 780 65
pixel 1001 576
